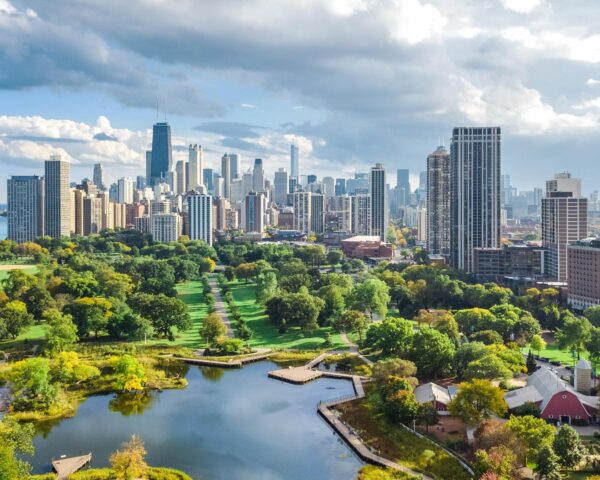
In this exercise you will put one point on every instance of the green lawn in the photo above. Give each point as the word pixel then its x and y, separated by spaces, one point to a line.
pixel 265 333
pixel 30 269
pixel 33 334
pixel 555 354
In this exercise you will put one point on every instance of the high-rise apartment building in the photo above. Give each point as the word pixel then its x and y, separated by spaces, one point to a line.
pixel 328 187
pixel 221 207
pixel 161 160
pixel 438 202
pixel 200 216
pixel 25 195
pixel 584 273
pixel 281 182
pixel 207 177
pixel 301 203
pixel 99 176
pixel 195 168
pixel 361 214
pixel 57 197
pixel 475 192
pixel 258 176
pixel 402 187
pixel 340 213
pixel 294 162
pixel 316 212
pixel 92 215
pixel 379 204
pixel 77 195
pixel 255 206
pixel 564 221
pixel 125 185
pixel 235 169
pixel 182 169
pixel 226 174
pixel 165 227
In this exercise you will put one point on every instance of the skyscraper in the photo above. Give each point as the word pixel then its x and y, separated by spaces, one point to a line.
pixel 99 176
pixel 316 212
pixel 125 190
pixel 258 176
pixel 340 186
pixel 438 202
pixel 402 187
pixel 161 159
pixel 255 206
pixel 195 167
pixel 328 187
pixel 149 167
pixel 281 182
pixel 564 221
pixel 181 168
pixel 301 202
pixel 200 216
pixel 207 178
pixel 294 162
pixel 235 165
pixel 25 195
pixel 361 214
pixel 165 227
pixel 379 204
pixel 475 192
pixel 226 174
pixel 57 197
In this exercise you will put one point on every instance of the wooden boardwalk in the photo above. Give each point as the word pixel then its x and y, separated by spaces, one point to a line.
pixel 239 363
pixel 64 467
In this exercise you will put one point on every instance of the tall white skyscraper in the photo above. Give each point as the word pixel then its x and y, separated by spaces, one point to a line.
pixel 258 176
pixel 282 184
pixel 226 174
pixel 379 204
pixel 125 185
pixel 195 167
pixel 200 216
pixel 57 197
pixel 25 195
pixel 475 192
pixel 181 169
pixel 564 221
pixel 294 162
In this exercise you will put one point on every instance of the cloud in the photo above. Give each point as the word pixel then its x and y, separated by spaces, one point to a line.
pixel 522 6
pixel 592 82
pixel 231 129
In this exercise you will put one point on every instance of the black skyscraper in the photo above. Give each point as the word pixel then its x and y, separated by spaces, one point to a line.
pixel 161 152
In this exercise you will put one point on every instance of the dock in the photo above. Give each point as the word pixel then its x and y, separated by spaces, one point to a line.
pixel 64 467
pixel 239 363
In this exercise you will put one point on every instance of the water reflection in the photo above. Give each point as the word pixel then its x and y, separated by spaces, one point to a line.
pixel 132 403
pixel 212 373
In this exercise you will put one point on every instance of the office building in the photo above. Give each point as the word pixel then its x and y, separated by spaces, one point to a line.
pixel 301 204
pixel 495 264
pixel 584 273
pixel 564 221
pixel 161 160
pixel 340 186
pixel 200 216
pixel 25 195
pixel 99 176
pixel 402 187
pixel 125 186
pixel 234 166
pixel 195 169
pixel 221 207
pixel 181 169
pixel 294 162
pixel 77 195
pixel 165 227
pixel 258 176
pixel 255 206
pixel 92 215
pixel 438 202
pixel 57 197
pixel 207 177
pixel 328 188
pixel 316 212
pixel 379 204
pixel 226 174
pixel 281 182
pixel 475 192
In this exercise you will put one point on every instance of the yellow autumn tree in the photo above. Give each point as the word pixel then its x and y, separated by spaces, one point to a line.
pixel 129 463
pixel 130 374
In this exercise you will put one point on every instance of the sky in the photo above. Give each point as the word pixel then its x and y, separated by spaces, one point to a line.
pixel 351 82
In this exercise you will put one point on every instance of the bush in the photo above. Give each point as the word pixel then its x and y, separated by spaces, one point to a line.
pixel 229 346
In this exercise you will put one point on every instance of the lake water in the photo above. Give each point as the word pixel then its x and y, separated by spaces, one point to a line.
pixel 226 425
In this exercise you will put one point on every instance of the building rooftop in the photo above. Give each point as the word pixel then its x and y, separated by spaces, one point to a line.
pixel 363 238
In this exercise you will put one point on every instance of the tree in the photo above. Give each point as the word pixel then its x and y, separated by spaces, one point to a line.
pixel 14 319
pixel 467 353
pixel 61 333
pixel 568 447
pixel 31 384
pixel 427 415
pixel 473 319
pixel 537 343
pixel 489 367
pixel 593 315
pixel 90 314
pixel 500 460
pixel 165 313
pixel 401 406
pixel 547 465
pixel 393 336
pixel 334 303
pixel 334 257
pixel 212 328
pixel 398 367
pixel 489 337
pixel 246 271
pixel 371 296
pixel 574 333
pixel 535 433
pixel 432 352
pixel 129 462
pixel 15 438
pixel 266 286
pixel 477 400
pixel 593 345
pixel 351 321
pixel 68 368
pixel 129 373
pixel 38 299
pixel 300 309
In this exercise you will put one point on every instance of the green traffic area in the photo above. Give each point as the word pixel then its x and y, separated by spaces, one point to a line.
pixel 266 334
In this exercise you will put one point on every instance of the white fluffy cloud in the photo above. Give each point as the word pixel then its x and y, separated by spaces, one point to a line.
pixel 522 6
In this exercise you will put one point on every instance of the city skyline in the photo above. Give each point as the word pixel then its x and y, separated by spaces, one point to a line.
pixel 241 97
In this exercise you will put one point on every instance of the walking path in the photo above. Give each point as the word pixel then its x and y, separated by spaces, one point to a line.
pixel 353 348
pixel 256 357
pixel 65 467
pixel 220 308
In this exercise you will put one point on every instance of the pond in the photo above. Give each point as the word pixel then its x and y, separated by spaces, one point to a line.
pixel 226 425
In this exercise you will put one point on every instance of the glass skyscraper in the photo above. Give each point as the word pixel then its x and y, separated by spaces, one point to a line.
pixel 161 160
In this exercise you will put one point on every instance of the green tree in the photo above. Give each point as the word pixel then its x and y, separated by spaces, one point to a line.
pixel 537 343
pixel 61 333
pixel 14 319
pixel 165 313
pixel 31 384
pixel 593 345
pixel 547 464
pixel 472 319
pixel 15 438
pixel 427 415
pixel 393 336
pixel 593 315
pixel 467 353
pixel 246 271
pixel 90 314
pixel 334 302
pixel 477 400
pixel 487 367
pixel 401 406
pixel 574 333
pixel 535 433
pixel 351 321
pixel 266 286
pixel 371 296
pixel 129 374
pixel 212 328
pixel 398 367
pixel 568 447
pixel 334 257
pixel 432 352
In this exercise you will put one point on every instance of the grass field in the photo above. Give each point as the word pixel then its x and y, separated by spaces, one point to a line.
pixel 33 334
pixel 556 355
pixel 5 269
pixel 265 333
